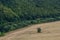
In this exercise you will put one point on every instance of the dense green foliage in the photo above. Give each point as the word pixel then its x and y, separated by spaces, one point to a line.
pixel 16 14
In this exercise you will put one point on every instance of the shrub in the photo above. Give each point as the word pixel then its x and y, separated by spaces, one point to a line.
pixel 2 33
pixel 39 30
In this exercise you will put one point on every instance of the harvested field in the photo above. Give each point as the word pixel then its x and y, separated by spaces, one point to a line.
pixel 50 31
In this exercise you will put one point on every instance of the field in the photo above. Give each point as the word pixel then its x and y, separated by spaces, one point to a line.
pixel 50 31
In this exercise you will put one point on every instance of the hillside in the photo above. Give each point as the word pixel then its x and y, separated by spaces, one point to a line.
pixel 16 14
pixel 50 31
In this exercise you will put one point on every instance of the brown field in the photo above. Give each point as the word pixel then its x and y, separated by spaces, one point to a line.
pixel 50 31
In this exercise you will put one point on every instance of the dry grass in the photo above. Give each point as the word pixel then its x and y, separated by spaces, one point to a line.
pixel 50 31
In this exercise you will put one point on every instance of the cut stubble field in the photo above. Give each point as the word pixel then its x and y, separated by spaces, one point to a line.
pixel 50 31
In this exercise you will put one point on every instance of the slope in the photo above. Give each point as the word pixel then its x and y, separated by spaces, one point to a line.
pixel 50 31
pixel 16 14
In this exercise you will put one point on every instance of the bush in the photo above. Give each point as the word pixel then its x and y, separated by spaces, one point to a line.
pixel 2 33
pixel 39 30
